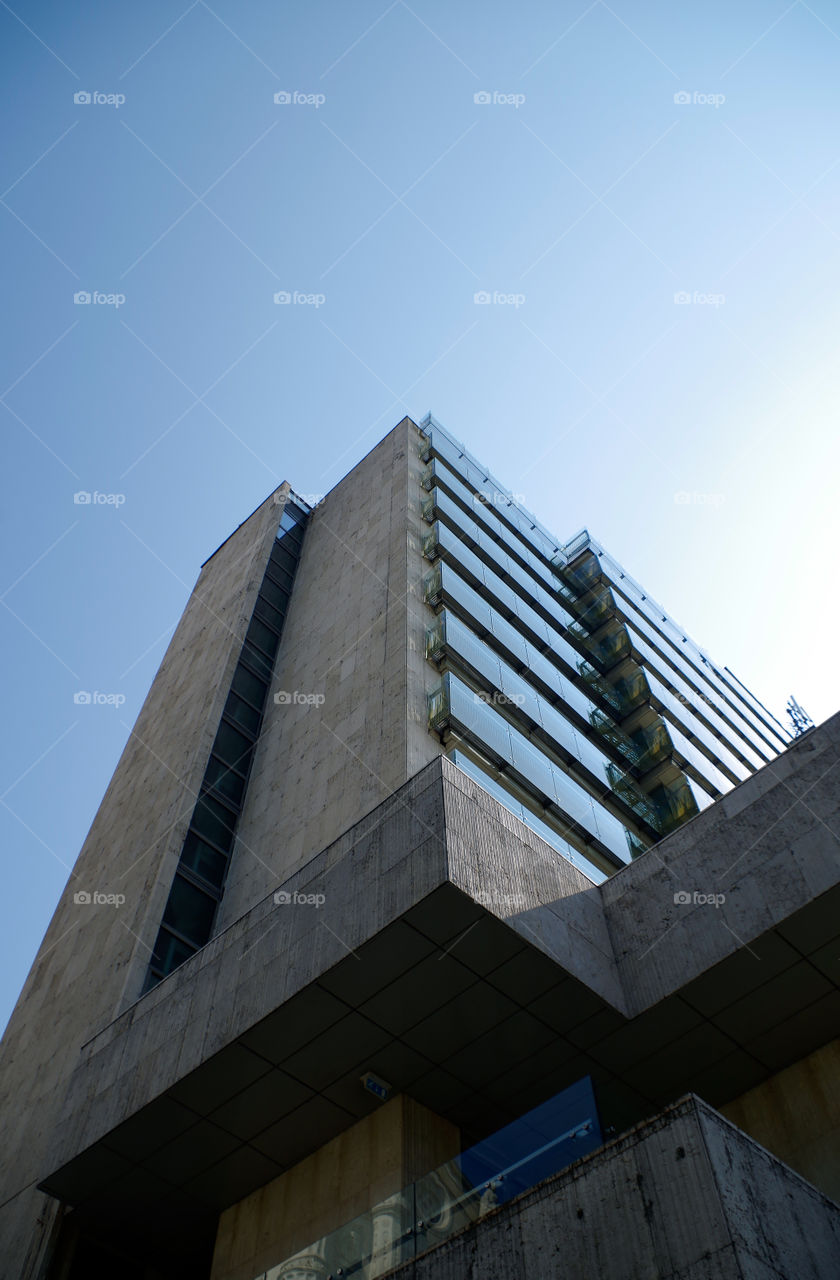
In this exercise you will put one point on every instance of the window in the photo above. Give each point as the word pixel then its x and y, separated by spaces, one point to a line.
pixel 232 747
pixel 276 593
pixel 202 867
pixel 221 779
pixel 261 636
pixel 243 713
pixel 268 613
pixel 205 861
pixel 249 687
pixel 190 911
pixel 214 822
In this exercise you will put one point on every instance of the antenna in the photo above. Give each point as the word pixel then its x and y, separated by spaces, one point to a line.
pixel 799 719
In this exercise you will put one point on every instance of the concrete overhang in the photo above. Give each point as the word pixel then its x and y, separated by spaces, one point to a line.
pixel 465 962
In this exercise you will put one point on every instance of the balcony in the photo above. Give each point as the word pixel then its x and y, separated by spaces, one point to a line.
pixel 457 1194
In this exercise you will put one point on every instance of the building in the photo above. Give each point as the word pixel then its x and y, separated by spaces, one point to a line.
pixel 441 871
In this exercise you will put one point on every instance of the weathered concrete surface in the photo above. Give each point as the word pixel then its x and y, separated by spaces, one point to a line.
pixel 369 878
pixel 770 847
pixel 93 958
pixel 685 1196
pixel 442 829
pixel 354 636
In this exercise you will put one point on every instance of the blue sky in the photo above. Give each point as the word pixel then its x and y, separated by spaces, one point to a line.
pixel 650 197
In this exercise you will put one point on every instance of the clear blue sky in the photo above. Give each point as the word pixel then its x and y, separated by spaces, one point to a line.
pixel 582 190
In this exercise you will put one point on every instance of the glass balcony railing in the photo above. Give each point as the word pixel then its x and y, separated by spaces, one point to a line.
pixel 541 828
pixel 509 693
pixel 438 475
pixel 482 564
pixel 443 583
pixel 583 573
pixel 472 716
pixel 455 1194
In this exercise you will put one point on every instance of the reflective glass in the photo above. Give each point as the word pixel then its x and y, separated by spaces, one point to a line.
pixel 748 739
pixel 169 952
pixel 203 860
pixel 190 911
pixel 249 686
pixel 268 613
pixel 679 708
pixel 232 747
pixel 487 727
pixel 281 560
pixel 276 595
pixel 541 828
pixel 262 636
pixel 222 780
pixel 213 821
pixel 256 660
pixel 701 763
pixel 243 713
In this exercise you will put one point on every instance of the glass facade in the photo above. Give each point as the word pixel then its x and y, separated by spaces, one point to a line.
pixel 456 1194
pixel 565 691
pixel 202 867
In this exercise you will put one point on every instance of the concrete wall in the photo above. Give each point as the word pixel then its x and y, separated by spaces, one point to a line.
pixel 370 876
pixel 354 634
pixel 360 1168
pixel 796 1115
pixel 768 851
pixel 93 958
pixel 685 1195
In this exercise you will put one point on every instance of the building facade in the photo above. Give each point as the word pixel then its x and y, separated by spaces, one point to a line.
pixel 447 862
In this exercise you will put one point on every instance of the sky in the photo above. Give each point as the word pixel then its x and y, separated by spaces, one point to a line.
pixel 600 242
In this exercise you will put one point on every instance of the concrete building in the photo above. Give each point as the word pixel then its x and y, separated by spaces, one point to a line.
pixel 457 887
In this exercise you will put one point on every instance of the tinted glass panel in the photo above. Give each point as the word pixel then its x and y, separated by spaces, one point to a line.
pixel 243 713
pixel 258 661
pixel 218 777
pixel 291 518
pixel 274 617
pixel 281 558
pixel 232 747
pixel 291 539
pixel 260 635
pixel 204 861
pixel 170 952
pixel 277 593
pixel 190 911
pixel 248 686
pixel 213 821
